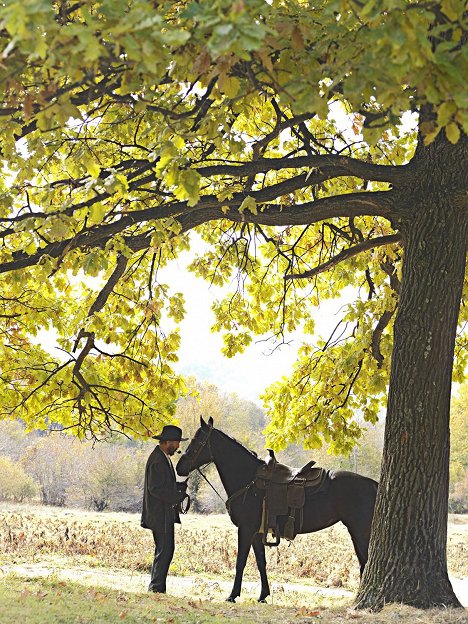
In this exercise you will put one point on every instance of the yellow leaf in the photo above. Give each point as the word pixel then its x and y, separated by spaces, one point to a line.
pixel 30 249
pixel 93 168
pixel 250 204
pixel 453 9
pixel 97 213
pixel 452 132
pixel 445 112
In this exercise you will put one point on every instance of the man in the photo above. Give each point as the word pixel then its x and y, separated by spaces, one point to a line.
pixel 161 497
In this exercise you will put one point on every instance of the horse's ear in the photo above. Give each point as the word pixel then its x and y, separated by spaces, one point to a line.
pixel 210 421
pixel 202 423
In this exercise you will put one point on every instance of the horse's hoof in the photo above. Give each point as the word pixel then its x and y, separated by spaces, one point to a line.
pixel 262 600
pixel 231 599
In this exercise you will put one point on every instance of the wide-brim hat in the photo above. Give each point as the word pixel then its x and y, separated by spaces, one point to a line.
pixel 170 433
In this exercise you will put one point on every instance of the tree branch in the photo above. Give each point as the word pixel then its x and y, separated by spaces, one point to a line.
pixel 101 299
pixel 346 254
pixel 347 165
pixel 377 335
pixel 378 203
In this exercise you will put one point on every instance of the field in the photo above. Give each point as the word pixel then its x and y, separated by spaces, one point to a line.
pixel 57 556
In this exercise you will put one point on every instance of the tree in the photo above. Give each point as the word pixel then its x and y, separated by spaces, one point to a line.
pixel 459 426
pixel 14 482
pixel 52 462
pixel 458 500
pixel 241 418
pixel 128 124
pixel 14 440
pixel 111 476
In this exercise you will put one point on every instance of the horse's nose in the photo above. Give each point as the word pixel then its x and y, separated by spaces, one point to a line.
pixel 182 467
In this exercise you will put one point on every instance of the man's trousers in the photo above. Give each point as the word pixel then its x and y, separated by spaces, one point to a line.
pixel 163 553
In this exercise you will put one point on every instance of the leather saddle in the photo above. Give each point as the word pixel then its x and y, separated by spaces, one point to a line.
pixel 284 496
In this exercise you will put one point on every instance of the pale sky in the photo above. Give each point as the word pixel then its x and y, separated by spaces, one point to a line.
pixel 246 374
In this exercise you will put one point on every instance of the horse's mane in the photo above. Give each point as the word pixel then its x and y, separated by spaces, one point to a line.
pixel 252 453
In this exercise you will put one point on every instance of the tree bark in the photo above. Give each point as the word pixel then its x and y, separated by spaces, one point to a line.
pixel 407 556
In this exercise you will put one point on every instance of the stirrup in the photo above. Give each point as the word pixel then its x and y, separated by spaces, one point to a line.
pixel 276 536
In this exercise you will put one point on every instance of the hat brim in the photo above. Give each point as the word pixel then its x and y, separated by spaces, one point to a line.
pixel 164 439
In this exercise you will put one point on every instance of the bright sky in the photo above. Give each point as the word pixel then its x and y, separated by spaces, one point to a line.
pixel 246 374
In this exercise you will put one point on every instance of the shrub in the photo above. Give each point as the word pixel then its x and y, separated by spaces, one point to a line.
pixel 458 499
pixel 15 484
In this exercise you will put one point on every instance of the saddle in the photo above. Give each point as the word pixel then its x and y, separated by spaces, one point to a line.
pixel 284 496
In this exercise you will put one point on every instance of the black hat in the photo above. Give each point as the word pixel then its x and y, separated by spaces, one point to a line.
pixel 170 432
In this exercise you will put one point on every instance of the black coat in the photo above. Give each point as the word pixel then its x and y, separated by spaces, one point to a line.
pixel 160 494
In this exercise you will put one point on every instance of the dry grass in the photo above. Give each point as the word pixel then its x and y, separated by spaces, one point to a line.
pixel 117 539
pixel 205 545
pixel 111 551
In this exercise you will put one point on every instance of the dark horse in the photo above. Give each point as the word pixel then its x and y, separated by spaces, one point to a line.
pixel 348 497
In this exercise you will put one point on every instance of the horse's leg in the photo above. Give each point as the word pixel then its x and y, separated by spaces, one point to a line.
pixel 259 550
pixel 360 538
pixel 244 541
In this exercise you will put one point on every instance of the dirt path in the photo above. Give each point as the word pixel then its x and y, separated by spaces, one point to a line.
pixel 184 586
pixel 200 587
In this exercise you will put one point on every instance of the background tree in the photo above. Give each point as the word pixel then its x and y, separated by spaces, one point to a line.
pixel 14 440
pixel 238 417
pixel 112 477
pixel 126 125
pixel 458 501
pixel 15 483
pixel 53 461
pixel 235 415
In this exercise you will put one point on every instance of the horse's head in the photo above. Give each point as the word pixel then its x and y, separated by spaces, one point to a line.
pixel 198 452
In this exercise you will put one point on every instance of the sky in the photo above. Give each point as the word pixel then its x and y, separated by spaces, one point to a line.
pixel 246 374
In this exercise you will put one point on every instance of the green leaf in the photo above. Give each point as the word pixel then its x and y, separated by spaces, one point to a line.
pixel 453 9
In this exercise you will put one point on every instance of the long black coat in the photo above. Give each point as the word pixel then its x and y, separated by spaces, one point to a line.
pixel 160 495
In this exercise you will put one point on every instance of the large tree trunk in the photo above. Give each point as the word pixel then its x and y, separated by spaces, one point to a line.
pixel 407 558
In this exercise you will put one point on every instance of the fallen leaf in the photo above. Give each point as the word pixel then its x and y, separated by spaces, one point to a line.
pixel 304 612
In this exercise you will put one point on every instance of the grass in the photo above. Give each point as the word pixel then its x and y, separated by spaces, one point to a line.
pixel 74 567
pixel 48 601
pixel 30 534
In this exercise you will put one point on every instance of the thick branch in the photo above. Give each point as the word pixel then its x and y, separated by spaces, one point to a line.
pixel 97 305
pixel 377 203
pixel 377 335
pixel 349 166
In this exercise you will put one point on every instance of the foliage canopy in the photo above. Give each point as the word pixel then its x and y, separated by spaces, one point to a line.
pixel 274 130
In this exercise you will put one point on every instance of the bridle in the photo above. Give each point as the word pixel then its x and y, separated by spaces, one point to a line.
pixel 201 446
pixel 193 459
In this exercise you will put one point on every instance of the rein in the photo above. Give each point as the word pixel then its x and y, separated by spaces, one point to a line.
pixel 210 484
pixel 228 502
pixel 195 457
